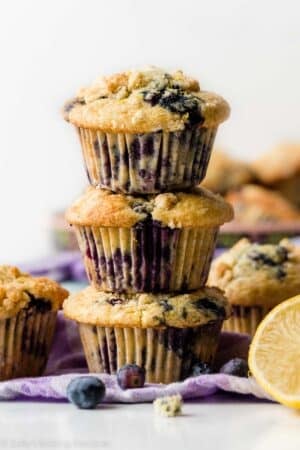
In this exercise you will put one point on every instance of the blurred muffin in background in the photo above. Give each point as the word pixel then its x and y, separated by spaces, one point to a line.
pixel 254 204
pixel 280 169
pixel 255 278
pixel 225 173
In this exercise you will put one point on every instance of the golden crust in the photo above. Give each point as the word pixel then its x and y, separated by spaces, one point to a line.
pixel 16 288
pixel 197 208
pixel 225 173
pixel 280 163
pixel 257 275
pixel 255 204
pixel 147 310
pixel 119 103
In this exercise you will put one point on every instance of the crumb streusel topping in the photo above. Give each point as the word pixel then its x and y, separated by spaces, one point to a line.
pixel 18 289
pixel 147 100
pixel 196 208
pixel 254 274
pixel 146 310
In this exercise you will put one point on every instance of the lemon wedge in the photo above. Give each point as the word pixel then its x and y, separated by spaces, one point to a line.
pixel 274 356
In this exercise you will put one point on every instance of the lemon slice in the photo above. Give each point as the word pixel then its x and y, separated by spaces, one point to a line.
pixel 274 357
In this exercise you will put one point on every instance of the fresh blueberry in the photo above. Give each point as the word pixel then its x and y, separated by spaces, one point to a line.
pixel 86 392
pixel 131 376
pixel 201 368
pixel 236 366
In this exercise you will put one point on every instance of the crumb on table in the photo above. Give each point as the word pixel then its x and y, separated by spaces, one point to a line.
pixel 168 406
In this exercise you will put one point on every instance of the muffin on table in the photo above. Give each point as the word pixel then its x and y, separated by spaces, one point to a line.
pixel 254 205
pixel 28 310
pixel 225 173
pixel 255 278
pixel 280 169
pixel 146 131
pixel 152 243
pixel 164 333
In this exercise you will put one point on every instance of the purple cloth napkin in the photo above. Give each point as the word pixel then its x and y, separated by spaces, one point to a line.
pixel 61 266
pixel 67 361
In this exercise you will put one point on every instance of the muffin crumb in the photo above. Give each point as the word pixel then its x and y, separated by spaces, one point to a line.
pixel 169 406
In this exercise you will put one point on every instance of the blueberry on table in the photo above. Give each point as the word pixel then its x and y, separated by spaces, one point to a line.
pixel 86 392
pixel 131 376
pixel 200 368
pixel 236 366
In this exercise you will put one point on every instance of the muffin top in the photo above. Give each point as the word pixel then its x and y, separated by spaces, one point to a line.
pixel 253 274
pixel 142 101
pixel 254 204
pixel 225 173
pixel 147 310
pixel 19 290
pixel 196 208
pixel 278 164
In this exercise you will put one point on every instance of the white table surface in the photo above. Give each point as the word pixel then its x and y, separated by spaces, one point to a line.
pixel 207 425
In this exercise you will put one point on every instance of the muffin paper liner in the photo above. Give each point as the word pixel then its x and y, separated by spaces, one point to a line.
pixel 245 319
pixel 149 162
pixel 147 257
pixel 67 362
pixel 167 354
pixel 25 342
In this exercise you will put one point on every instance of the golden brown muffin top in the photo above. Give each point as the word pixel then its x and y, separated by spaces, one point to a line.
pixel 147 310
pixel 225 173
pixel 147 100
pixel 278 164
pixel 19 290
pixel 197 208
pixel 254 274
pixel 254 204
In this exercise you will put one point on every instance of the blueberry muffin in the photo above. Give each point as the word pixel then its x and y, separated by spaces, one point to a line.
pixel 146 131
pixel 255 278
pixel 28 309
pixel 225 173
pixel 255 205
pixel 164 333
pixel 260 214
pixel 280 170
pixel 153 243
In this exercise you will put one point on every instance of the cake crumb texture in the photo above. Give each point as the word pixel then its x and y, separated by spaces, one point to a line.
pixel 169 406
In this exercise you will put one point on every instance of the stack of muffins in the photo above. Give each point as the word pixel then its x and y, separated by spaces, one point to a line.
pixel 147 234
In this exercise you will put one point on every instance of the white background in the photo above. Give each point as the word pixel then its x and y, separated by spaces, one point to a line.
pixel 246 50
